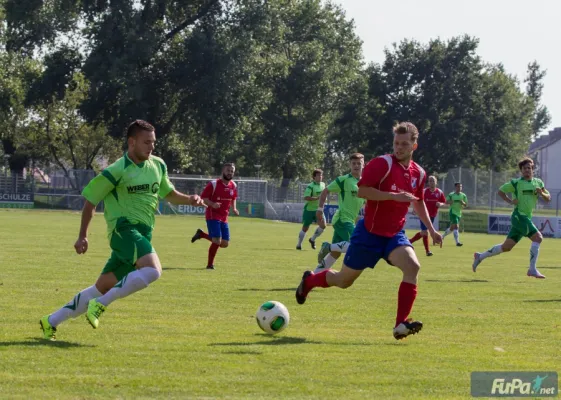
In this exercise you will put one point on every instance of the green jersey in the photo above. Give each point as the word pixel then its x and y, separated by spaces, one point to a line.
pixel 456 199
pixel 349 202
pixel 314 189
pixel 130 190
pixel 525 192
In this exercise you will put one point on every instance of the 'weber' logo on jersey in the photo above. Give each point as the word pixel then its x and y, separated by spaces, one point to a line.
pixel 138 189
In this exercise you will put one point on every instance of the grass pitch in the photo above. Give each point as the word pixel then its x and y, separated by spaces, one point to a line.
pixel 193 333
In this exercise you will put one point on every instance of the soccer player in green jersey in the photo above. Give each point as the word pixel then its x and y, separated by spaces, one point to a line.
pixel 311 196
pixel 344 220
pixel 130 188
pixel 457 201
pixel 525 193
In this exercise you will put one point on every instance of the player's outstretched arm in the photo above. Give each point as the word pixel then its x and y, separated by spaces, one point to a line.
pixel 175 197
pixel 81 245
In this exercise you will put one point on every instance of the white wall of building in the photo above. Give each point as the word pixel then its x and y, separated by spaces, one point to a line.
pixel 549 159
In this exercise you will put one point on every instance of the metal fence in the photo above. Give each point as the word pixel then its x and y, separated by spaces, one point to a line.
pixel 62 190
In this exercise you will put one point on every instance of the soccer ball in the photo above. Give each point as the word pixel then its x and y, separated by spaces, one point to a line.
pixel 272 317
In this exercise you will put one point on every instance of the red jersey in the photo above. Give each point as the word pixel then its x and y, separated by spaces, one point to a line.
pixel 218 192
pixel 385 173
pixel 433 197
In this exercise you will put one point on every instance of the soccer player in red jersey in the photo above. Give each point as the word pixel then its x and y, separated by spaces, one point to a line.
pixel 389 184
pixel 219 195
pixel 434 199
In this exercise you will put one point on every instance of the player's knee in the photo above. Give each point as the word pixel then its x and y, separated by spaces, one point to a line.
pixel 424 233
pixel 506 248
pixel 346 283
pixel 217 241
pixel 224 244
pixel 538 238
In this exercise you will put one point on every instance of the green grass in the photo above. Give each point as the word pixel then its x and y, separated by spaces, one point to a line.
pixel 193 333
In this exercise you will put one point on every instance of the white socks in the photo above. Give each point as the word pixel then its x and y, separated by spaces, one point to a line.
pixel 493 251
pixel 534 253
pixel 301 237
pixel 317 233
pixel 133 282
pixel 340 247
pixel 457 236
pixel 74 308
pixel 446 232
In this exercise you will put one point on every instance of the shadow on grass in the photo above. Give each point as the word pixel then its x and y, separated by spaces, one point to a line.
pixel 457 280
pixel 34 342
pixel 241 352
pixel 543 301
pixel 285 340
pixel 549 267
pixel 267 290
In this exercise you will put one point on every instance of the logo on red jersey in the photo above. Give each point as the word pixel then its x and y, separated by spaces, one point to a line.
pixel 414 183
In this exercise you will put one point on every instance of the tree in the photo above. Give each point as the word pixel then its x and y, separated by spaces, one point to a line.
pixel 534 89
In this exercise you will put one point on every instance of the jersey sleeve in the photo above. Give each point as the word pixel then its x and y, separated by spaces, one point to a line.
pixel 166 187
pixel 103 184
pixel 336 186
pixel 442 198
pixel 465 199
pixel 308 191
pixel 235 193
pixel 507 187
pixel 207 191
pixel 449 197
pixel 374 172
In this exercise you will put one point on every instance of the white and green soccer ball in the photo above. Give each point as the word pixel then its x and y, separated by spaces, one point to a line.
pixel 272 317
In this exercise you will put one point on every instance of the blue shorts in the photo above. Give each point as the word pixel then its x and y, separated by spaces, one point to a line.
pixel 366 248
pixel 423 227
pixel 218 229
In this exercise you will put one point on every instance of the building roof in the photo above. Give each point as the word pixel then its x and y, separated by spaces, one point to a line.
pixel 545 140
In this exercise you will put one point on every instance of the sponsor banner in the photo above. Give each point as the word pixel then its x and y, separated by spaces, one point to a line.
pixel 16 200
pixel 514 384
pixel 255 210
pixel 471 221
pixel 549 226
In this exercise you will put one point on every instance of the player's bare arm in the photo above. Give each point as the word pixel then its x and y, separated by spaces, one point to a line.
pixel 175 197
pixel 370 193
pixel 235 207
pixel 322 199
pixel 507 199
pixel 544 194
pixel 88 212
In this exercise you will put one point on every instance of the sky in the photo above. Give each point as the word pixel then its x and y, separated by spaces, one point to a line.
pixel 510 32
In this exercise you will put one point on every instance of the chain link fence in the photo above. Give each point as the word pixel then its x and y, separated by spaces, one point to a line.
pixel 61 190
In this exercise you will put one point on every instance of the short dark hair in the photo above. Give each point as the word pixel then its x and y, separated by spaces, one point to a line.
pixel 317 171
pixel 457 183
pixel 137 126
pixel 525 161
pixel 229 164
pixel 406 127
pixel 356 156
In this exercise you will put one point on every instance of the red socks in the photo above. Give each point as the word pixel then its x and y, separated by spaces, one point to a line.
pixel 426 243
pixel 212 253
pixel 405 299
pixel 204 235
pixel 317 280
pixel 416 237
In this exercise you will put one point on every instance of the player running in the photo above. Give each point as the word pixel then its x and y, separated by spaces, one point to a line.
pixel 525 192
pixel 457 201
pixel 389 184
pixel 344 219
pixel 434 199
pixel 219 195
pixel 130 189
pixel 311 196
